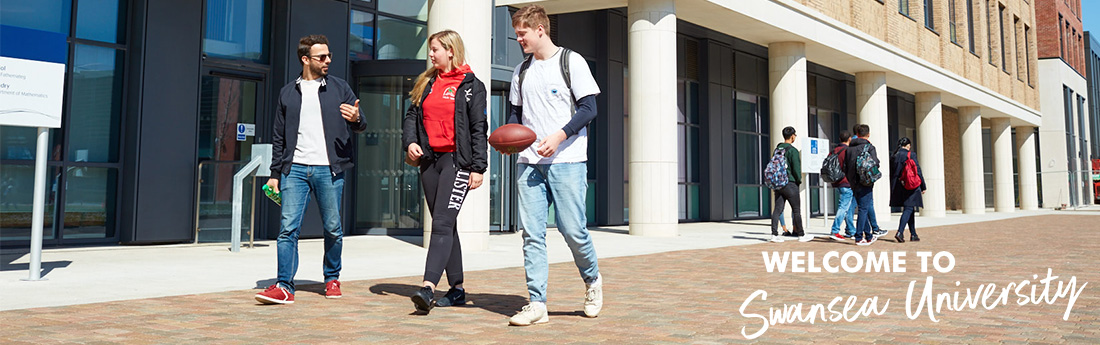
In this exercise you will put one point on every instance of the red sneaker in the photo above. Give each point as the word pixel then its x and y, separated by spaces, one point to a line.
pixel 332 289
pixel 275 294
pixel 838 237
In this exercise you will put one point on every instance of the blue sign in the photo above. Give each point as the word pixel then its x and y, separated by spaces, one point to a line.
pixel 240 132
pixel 813 147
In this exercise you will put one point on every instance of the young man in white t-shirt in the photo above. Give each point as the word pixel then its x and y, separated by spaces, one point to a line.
pixel 554 170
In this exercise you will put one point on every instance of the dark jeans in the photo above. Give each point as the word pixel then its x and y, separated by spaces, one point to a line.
pixel 788 193
pixel 865 201
pixel 445 188
pixel 907 217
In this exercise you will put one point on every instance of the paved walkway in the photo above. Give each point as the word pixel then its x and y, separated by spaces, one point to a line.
pixel 679 296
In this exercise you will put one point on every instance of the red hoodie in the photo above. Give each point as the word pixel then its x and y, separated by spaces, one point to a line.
pixel 439 109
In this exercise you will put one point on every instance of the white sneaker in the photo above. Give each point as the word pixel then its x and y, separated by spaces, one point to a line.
pixel 776 239
pixel 863 243
pixel 806 238
pixel 593 297
pixel 532 313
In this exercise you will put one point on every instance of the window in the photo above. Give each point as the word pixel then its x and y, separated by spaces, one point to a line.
pixel 903 7
pixel 929 15
pixel 84 156
pixel 361 39
pixel 951 21
pixel 989 31
pixel 1061 37
pixel 688 133
pixel 1027 53
pixel 970 24
pixel 1016 29
pixel 395 30
pixel 237 30
pixel 1001 19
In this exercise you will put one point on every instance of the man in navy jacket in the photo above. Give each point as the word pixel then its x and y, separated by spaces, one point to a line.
pixel 312 148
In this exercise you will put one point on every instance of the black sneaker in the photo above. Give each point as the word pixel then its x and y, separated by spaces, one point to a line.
pixel 900 237
pixel 452 298
pixel 914 238
pixel 424 299
pixel 788 234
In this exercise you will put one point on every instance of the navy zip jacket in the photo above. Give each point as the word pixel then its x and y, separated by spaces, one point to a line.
pixel 338 132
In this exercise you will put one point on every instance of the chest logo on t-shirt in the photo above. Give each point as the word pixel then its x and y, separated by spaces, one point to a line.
pixel 449 93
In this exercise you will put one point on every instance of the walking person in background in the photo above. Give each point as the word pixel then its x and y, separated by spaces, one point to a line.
pixel 788 193
pixel 906 188
pixel 844 211
pixel 860 167
pixel 311 150
pixel 444 134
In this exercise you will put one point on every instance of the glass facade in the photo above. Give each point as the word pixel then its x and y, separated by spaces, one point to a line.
pixel 84 159
pixel 237 29
pixel 388 30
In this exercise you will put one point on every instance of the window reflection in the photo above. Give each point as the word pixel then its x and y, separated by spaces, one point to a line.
pixel 236 29
pixel 96 104
pixel 398 39
pixel 361 39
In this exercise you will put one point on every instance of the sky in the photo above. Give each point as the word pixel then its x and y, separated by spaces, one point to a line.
pixel 1090 15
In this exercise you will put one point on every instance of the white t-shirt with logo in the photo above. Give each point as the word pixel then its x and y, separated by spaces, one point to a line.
pixel 311 148
pixel 547 105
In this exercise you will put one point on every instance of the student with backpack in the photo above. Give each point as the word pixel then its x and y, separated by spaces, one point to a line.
pixel 906 181
pixel 557 103
pixel 835 166
pixel 861 168
pixel 783 175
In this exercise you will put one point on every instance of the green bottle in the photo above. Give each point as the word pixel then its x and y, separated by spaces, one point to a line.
pixel 277 197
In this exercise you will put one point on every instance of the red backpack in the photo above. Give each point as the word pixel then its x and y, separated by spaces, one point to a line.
pixel 910 179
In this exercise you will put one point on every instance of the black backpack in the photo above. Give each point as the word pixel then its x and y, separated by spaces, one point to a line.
pixel 564 62
pixel 830 168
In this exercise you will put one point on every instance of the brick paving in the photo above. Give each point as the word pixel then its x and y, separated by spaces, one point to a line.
pixel 678 297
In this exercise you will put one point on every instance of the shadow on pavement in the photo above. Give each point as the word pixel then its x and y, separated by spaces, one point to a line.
pixel 8 256
pixel 506 305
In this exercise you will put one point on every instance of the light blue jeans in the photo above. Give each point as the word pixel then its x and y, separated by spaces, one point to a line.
pixel 295 188
pixel 565 186
pixel 844 212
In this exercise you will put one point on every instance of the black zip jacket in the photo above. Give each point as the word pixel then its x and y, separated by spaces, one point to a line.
pixel 471 145
pixel 333 92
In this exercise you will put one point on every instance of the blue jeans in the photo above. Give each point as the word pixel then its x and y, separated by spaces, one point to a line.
pixel 295 188
pixel 565 186
pixel 908 218
pixel 844 212
pixel 865 199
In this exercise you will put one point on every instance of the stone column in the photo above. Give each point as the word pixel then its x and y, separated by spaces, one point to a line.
pixel 472 19
pixel 789 103
pixel 651 39
pixel 1004 199
pixel 930 152
pixel 871 110
pixel 1025 147
pixel 970 129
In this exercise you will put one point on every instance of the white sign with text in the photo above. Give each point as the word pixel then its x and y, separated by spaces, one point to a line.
pixel 31 93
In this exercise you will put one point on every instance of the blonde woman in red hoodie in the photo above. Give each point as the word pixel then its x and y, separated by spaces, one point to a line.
pixel 444 133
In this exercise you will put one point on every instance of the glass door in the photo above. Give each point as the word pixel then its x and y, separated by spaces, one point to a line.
pixel 387 191
pixel 227 104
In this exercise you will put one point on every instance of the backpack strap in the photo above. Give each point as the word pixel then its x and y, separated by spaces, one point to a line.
pixel 563 61
pixel 523 73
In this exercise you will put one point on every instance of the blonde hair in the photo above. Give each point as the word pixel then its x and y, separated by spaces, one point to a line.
pixel 532 16
pixel 450 40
